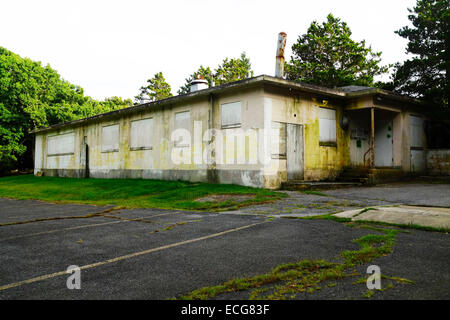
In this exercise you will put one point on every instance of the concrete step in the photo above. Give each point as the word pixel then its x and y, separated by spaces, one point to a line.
pixel 381 175
pixel 354 172
pixel 362 180
pixel 313 185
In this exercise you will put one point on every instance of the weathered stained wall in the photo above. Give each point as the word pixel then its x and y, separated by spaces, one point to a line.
pixel 64 165
pixel 157 162
pixel 403 153
pixel 127 163
pixel 320 162
pixel 325 162
pixel 234 162
pixel 438 162
pixel 408 155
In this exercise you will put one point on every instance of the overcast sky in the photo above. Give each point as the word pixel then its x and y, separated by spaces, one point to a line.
pixel 110 48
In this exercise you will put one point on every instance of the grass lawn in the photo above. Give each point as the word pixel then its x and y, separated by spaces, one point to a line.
pixel 130 193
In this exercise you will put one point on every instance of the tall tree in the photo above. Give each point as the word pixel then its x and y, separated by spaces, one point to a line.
pixel 33 96
pixel 425 75
pixel 326 55
pixel 233 70
pixel 156 89
pixel 230 70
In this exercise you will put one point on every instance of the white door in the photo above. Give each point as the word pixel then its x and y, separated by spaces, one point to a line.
pixel 416 137
pixel 383 143
pixel 294 151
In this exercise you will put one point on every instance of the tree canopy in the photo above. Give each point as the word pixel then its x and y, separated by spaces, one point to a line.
pixel 228 71
pixel 156 89
pixel 425 74
pixel 233 70
pixel 326 55
pixel 33 96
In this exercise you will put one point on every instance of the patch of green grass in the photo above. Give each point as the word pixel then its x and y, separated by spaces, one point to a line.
pixel 295 277
pixel 170 227
pixel 130 193
pixel 371 247
pixel 364 210
pixel 287 280
pixel 327 216
pixel 332 284
pixel 398 279
pixel 319 206
pixel 343 203
pixel 385 286
pixel 368 294
pixel 314 193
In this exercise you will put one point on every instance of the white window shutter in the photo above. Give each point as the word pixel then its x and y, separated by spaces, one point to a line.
pixel 231 114
pixel 141 134
pixel 61 144
pixel 110 138
pixel 327 125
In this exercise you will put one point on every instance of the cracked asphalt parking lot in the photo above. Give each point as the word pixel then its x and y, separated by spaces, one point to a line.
pixel 162 254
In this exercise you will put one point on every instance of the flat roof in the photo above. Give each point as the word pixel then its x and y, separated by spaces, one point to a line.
pixel 339 93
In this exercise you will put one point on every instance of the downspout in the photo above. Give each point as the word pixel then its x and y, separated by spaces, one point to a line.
pixel 372 137
pixel 211 173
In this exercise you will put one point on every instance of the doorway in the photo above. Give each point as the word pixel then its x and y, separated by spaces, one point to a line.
pixel 384 141
pixel 84 157
pixel 294 151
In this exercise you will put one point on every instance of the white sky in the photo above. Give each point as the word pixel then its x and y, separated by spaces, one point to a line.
pixel 110 48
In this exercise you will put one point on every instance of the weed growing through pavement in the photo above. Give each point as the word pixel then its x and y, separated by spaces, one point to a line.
pixel 288 280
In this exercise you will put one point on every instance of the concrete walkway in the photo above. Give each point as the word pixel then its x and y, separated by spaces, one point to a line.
pixel 422 216
pixel 304 204
pixel 299 204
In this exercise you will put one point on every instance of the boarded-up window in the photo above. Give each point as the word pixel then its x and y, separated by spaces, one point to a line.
pixel 416 132
pixel 278 140
pixel 110 138
pixel 183 121
pixel 231 114
pixel 61 144
pixel 141 134
pixel 327 126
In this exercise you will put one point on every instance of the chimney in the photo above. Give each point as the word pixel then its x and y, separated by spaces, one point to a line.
pixel 279 65
pixel 199 83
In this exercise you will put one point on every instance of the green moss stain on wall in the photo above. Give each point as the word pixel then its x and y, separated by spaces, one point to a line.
pixel 312 150
pixel 124 146
pixel 324 162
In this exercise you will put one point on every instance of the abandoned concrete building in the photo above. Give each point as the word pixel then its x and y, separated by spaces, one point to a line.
pixel 310 133
pixel 261 131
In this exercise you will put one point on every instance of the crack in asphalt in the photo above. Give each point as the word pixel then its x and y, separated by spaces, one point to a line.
pixel 90 215
pixel 59 230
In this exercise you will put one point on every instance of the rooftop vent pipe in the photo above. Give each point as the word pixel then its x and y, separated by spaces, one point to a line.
pixel 199 83
pixel 281 45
